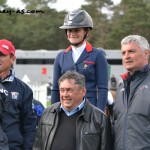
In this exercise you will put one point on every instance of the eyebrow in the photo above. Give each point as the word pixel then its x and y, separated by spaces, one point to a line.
pixel 128 50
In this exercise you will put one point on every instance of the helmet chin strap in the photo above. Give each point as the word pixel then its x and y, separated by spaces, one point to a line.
pixel 79 43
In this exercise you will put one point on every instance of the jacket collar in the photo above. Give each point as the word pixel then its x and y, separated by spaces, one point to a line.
pixel 128 75
pixel 88 48
pixel 10 76
pixel 85 112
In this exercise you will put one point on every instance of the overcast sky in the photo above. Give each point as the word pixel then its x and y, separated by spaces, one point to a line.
pixel 68 5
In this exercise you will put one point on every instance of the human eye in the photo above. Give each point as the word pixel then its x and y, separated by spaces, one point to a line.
pixel 123 53
pixel 132 51
pixel 76 30
pixel 61 90
pixel 70 90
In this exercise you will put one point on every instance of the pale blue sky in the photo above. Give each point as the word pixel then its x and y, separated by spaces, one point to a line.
pixel 68 5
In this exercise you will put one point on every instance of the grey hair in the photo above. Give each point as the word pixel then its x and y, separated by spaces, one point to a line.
pixel 141 41
pixel 79 78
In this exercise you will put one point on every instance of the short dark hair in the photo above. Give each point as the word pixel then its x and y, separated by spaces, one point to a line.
pixel 79 78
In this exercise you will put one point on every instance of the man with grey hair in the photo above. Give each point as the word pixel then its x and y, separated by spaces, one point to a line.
pixel 131 110
pixel 73 123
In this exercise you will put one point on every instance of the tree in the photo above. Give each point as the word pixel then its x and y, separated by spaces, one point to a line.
pixel 37 4
pixel 30 31
pixel 130 17
pixel 42 33
pixel 100 20
pixel 2 3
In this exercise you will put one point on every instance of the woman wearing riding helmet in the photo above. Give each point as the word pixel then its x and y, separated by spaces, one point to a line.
pixel 83 58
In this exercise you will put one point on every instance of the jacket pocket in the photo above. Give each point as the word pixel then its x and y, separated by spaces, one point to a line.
pixel 91 140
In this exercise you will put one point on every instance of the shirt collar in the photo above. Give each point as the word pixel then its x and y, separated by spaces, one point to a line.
pixel 79 49
pixel 10 76
pixel 77 109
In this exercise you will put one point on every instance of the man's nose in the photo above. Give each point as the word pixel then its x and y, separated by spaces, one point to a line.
pixel 127 55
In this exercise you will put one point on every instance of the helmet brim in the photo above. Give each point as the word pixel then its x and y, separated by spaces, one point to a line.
pixel 73 27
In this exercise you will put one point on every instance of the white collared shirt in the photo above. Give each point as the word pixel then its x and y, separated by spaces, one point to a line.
pixel 77 109
pixel 77 51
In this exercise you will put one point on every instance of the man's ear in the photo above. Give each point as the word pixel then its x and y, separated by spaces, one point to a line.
pixel 84 91
pixel 13 58
pixel 147 55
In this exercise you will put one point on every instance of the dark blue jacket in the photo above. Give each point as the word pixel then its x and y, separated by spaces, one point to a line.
pixel 19 122
pixel 93 65
pixel 4 104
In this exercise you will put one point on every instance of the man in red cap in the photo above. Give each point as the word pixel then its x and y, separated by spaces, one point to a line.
pixel 19 121
pixel 6 47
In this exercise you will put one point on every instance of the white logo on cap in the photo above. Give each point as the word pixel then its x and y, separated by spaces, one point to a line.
pixel 5 46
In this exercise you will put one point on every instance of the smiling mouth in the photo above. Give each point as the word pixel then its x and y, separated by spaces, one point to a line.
pixel 66 99
pixel 128 62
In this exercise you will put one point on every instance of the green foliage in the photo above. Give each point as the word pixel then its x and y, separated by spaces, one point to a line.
pixel 31 31
pixel 2 2
pixel 100 21
pixel 42 32
pixel 130 17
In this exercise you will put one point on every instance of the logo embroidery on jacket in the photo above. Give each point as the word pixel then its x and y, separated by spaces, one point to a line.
pixel 14 95
pixel 144 87
pixel 2 90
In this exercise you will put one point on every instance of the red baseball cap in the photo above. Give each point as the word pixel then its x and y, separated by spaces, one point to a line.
pixel 6 47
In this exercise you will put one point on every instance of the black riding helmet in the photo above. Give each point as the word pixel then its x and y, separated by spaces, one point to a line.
pixel 78 19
